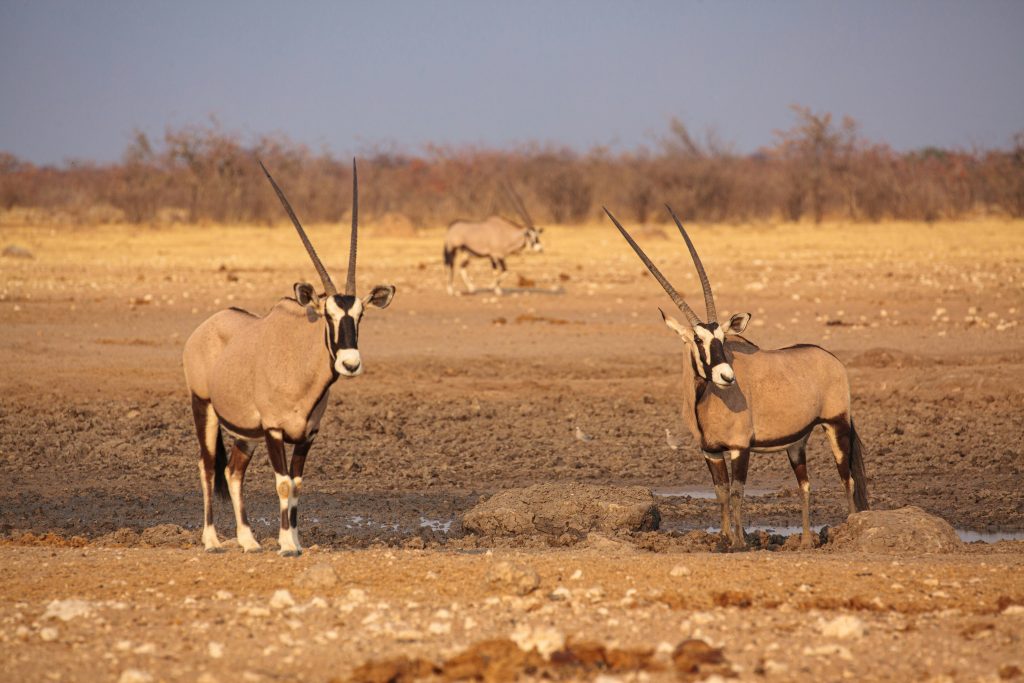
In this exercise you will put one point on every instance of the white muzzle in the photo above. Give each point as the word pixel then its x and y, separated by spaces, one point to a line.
pixel 348 363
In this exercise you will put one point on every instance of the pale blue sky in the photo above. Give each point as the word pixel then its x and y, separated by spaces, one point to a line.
pixel 77 77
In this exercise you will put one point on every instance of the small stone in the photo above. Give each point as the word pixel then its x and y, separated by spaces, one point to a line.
pixel 516 578
pixel 216 649
pixel 135 676
pixel 544 639
pixel 439 628
pixel 145 649
pixel 281 599
pixel 320 576
pixel 1014 611
pixel 576 575
pixel 66 610
pixel 680 570
pixel 48 634
pixel 844 626
pixel 831 650
pixel 17 251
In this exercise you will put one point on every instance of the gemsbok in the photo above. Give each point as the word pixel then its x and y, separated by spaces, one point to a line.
pixel 739 399
pixel 267 378
pixel 495 238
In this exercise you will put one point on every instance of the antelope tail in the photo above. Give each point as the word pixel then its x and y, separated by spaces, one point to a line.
pixel 220 480
pixel 860 479
pixel 449 256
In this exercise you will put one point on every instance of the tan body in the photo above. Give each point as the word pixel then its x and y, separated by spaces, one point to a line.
pixel 259 373
pixel 494 238
pixel 759 411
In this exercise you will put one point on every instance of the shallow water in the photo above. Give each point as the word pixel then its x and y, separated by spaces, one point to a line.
pixel 702 492
pixel 966 535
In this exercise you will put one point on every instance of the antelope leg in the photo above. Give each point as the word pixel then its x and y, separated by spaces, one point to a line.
pixel 241 454
pixel 720 476
pixel 740 463
pixel 285 492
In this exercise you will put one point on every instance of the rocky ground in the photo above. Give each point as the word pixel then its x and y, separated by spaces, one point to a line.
pixel 569 377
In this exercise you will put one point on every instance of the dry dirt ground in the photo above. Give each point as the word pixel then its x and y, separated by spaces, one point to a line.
pixel 466 396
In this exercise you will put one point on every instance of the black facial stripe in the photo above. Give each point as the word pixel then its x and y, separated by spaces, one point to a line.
pixel 717 352
pixel 348 333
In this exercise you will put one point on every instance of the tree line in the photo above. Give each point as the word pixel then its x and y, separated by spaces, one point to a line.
pixel 821 168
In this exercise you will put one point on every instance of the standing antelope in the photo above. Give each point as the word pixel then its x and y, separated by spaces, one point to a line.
pixel 494 238
pixel 739 399
pixel 268 378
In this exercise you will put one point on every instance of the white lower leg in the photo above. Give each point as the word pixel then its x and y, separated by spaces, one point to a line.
pixel 465 278
pixel 293 504
pixel 285 495
pixel 210 540
pixel 246 539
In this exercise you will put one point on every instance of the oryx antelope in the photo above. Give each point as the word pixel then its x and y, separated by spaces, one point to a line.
pixel 739 399
pixel 495 238
pixel 268 378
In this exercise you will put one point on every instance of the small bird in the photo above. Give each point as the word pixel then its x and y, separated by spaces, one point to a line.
pixel 673 441
pixel 582 435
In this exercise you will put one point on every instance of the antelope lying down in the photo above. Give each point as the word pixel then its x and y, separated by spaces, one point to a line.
pixel 268 378
pixel 739 399
pixel 495 238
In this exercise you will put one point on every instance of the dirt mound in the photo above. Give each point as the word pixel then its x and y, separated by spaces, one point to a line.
pixel 168 536
pixel 894 532
pixel 564 508
pixel 506 660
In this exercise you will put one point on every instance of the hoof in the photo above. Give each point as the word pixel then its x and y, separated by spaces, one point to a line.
pixel 215 549
pixel 289 553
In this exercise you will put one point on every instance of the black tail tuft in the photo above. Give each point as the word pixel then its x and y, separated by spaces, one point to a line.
pixel 449 256
pixel 220 480
pixel 860 479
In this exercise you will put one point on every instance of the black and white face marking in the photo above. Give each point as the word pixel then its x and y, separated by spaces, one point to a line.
pixel 709 354
pixel 533 239
pixel 343 314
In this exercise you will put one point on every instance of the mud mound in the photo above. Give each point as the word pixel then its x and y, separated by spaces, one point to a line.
pixel 564 508
pixel 895 532
pixel 168 536
pixel 546 656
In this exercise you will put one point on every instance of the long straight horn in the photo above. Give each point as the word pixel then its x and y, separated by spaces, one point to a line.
pixel 709 299
pixel 683 306
pixel 517 204
pixel 350 282
pixel 321 271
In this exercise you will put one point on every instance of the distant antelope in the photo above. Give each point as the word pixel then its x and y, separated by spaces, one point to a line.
pixel 494 238
pixel 739 399
pixel 268 378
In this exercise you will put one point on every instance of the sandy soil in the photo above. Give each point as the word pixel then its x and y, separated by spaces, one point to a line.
pixel 466 396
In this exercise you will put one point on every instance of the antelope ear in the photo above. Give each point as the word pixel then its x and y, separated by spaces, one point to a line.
pixel 381 296
pixel 304 293
pixel 684 331
pixel 738 323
